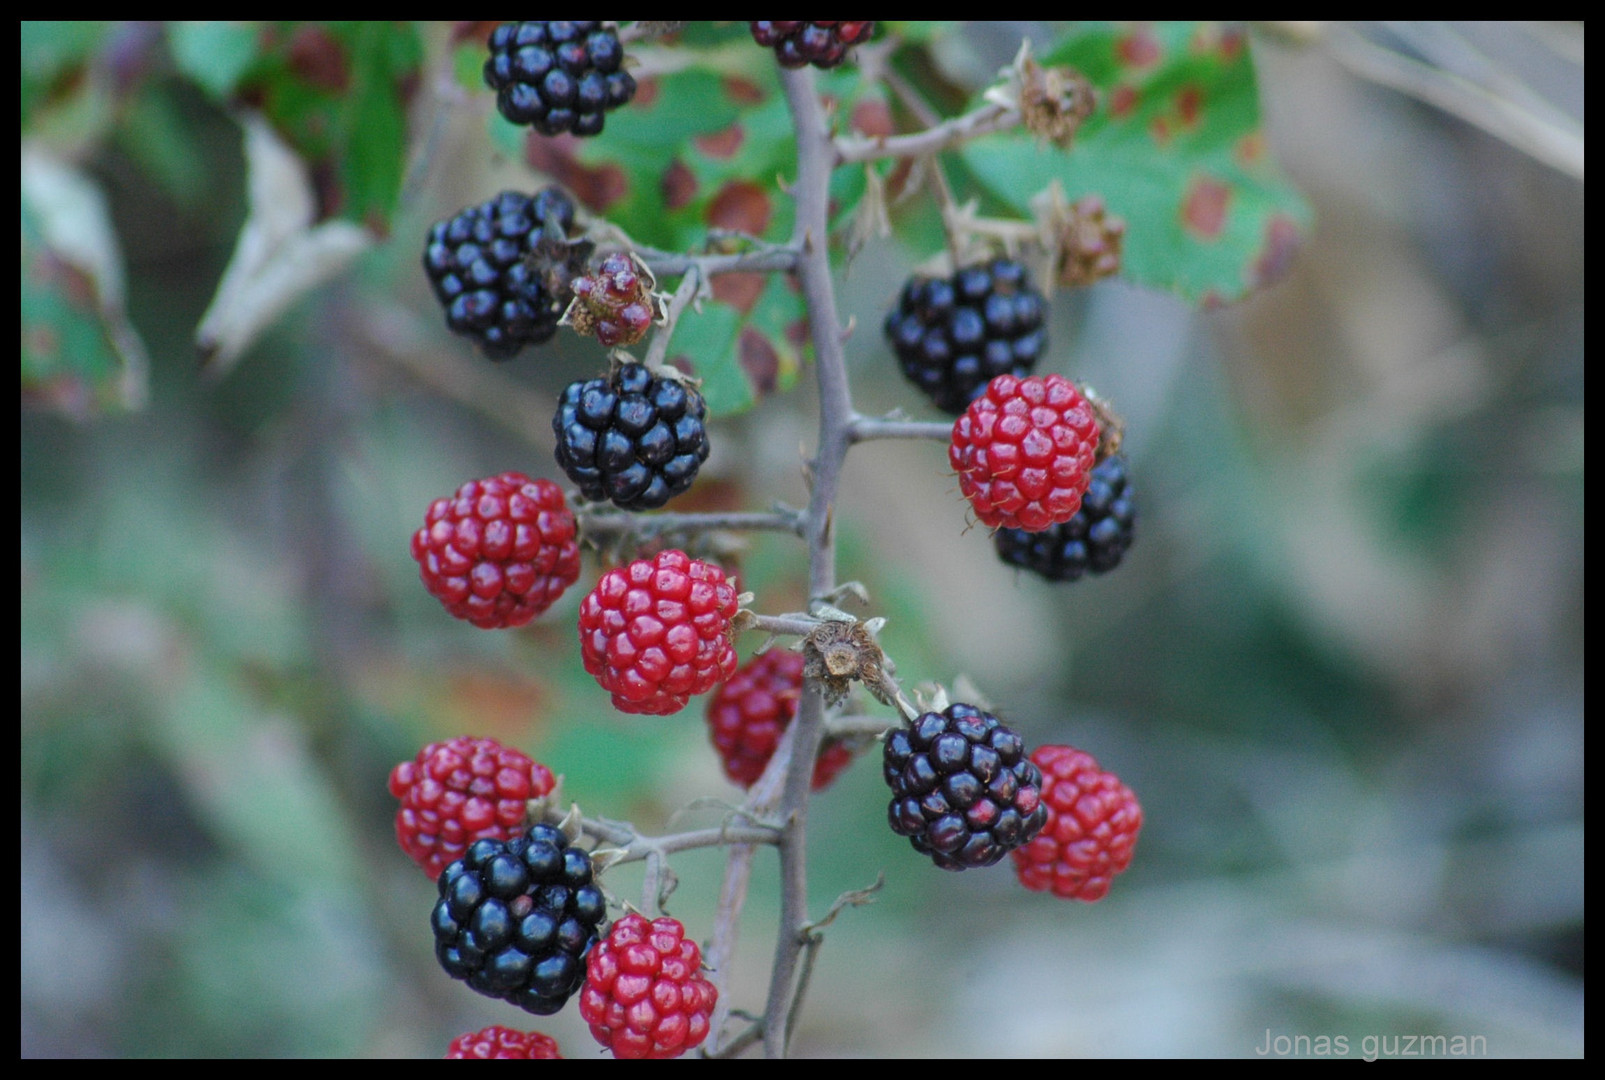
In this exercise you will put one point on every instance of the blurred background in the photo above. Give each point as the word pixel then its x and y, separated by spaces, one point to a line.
pixel 1341 667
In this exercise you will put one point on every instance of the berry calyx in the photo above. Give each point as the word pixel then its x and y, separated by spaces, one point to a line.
pixel 1093 821
pixel 1093 541
pixel 500 1043
pixel 963 791
pixel 822 44
pixel 516 918
pixel 953 335
pixel 501 269
pixel 460 791
pixel 632 437
pixel 500 551
pixel 645 995
pixel 657 631
pixel 748 714
pixel 557 76
pixel 1024 451
pixel 614 303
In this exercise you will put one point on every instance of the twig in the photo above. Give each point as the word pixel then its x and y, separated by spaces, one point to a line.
pixel 690 285
pixel 1535 136
pixel 983 121
pixel 764 260
pixel 632 846
pixel 865 428
pixel 648 525
pixel 794 626
pixel 815 158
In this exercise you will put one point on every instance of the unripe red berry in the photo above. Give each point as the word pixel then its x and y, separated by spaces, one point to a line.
pixel 500 551
pixel 497 1042
pixel 657 631
pixel 459 791
pixel 1093 821
pixel 645 995
pixel 1024 451
pixel 748 714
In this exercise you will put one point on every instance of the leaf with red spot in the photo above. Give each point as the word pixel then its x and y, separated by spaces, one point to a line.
pixel 740 355
pixel 697 153
pixel 337 92
pixel 1174 148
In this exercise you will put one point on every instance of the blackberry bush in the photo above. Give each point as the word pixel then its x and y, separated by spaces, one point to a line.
pixel 520 865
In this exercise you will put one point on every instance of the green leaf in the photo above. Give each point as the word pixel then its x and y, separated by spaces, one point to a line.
pixel 50 53
pixel 79 353
pixel 216 54
pixel 337 92
pixel 742 357
pixel 1175 149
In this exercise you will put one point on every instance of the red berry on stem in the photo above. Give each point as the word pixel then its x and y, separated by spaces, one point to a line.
pixel 657 631
pixel 748 714
pixel 497 1042
pixel 500 551
pixel 1024 451
pixel 645 995
pixel 1093 821
pixel 459 791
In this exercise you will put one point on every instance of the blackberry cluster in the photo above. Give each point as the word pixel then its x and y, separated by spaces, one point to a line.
pixel 963 790
pixel 516 918
pixel 557 76
pixel 501 269
pixel 631 437
pixel 1094 541
pixel 822 44
pixel 954 335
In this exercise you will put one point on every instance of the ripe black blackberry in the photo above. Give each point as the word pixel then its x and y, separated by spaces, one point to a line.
pixel 822 44
pixel 954 335
pixel 1093 541
pixel 501 269
pixel 557 76
pixel 516 918
pixel 963 790
pixel 632 437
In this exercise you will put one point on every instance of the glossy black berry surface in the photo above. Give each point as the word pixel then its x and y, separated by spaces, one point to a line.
pixel 1094 541
pixel 499 269
pixel 822 44
pixel 963 790
pixel 631 438
pixel 516 918
pixel 954 335
pixel 557 77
